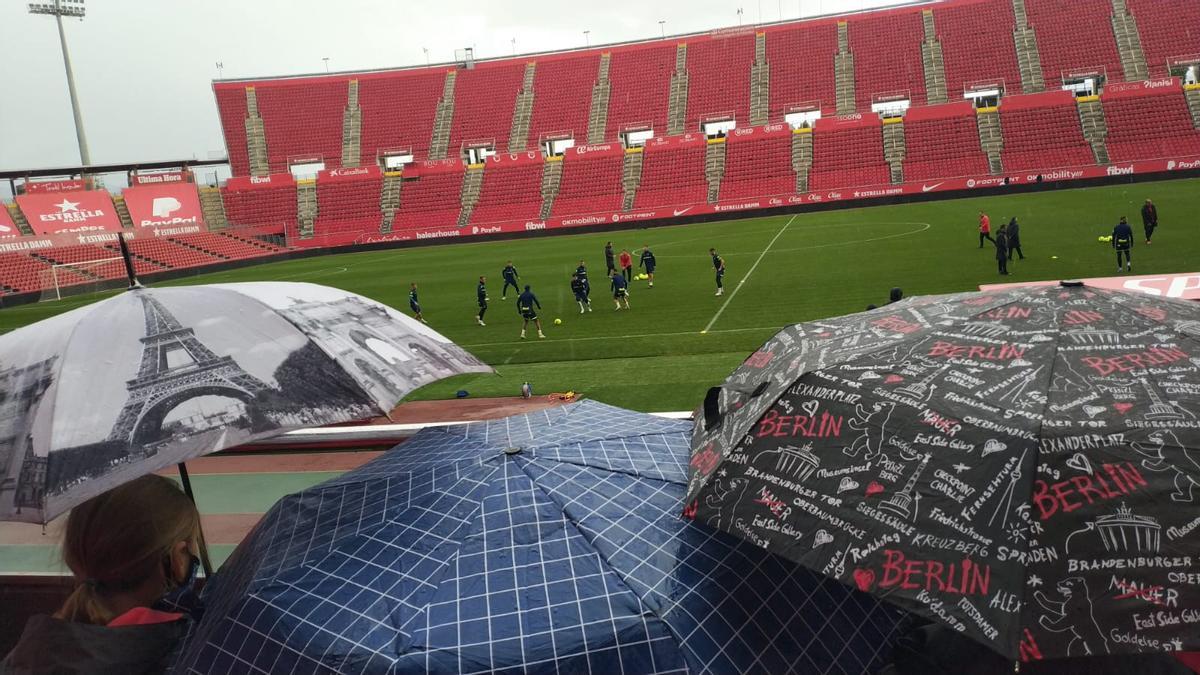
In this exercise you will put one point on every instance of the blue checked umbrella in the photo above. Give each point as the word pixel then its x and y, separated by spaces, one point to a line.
pixel 547 542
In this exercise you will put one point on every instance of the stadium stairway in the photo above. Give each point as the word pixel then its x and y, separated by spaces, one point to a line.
pixel 19 219
pixel 122 210
pixel 802 157
pixel 894 149
pixel 991 137
pixel 598 113
pixel 439 144
pixel 352 128
pixel 306 207
pixel 931 57
pixel 551 181
pixel 843 66
pixel 1192 92
pixel 1029 60
pixel 1129 42
pixel 677 108
pixel 472 186
pixel 389 199
pixel 518 137
pixel 714 167
pixel 256 137
pixel 631 176
pixel 760 83
pixel 212 206
pixel 1095 127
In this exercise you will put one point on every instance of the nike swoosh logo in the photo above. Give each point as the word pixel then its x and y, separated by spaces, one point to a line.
pixel 930 188
pixel 680 212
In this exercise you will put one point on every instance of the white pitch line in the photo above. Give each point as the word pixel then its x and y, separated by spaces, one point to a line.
pixel 552 341
pixel 752 268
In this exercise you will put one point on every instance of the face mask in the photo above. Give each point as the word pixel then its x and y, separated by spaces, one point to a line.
pixel 183 597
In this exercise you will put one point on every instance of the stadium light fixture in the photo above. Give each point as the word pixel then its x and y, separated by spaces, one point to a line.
pixel 426 50
pixel 72 9
pixel 326 60
pixel 662 26
pixel 739 16
pixel 587 38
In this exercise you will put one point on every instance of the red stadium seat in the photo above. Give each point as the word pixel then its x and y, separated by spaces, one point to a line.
pixel 943 141
pixel 1042 131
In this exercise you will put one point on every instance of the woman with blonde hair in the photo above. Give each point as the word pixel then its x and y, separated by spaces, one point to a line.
pixel 127 548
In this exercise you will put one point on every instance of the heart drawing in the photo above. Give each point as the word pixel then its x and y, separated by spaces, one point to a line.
pixel 864 579
pixel 1093 410
pixel 1122 407
pixel 847 484
pixel 810 407
pixel 893 379
pixel 874 488
pixel 821 538
pixel 1080 462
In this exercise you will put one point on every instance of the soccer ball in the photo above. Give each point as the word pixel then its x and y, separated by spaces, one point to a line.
pixel 558 322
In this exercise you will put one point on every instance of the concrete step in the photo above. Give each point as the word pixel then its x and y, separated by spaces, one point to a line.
pixel 843 65
pixel 443 117
pixel 843 38
pixel 802 157
pixel 930 27
pixel 256 138
pixel 19 219
pixel 935 72
pixel 1193 101
pixel 389 199
pixel 714 168
pixel 518 137
pixel 991 138
pixel 631 176
pixel 1020 14
pixel 677 105
pixel 469 197
pixel 598 113
pixel 122 210
pixel 760 93
pixel 306 207
pixel 213 208
pixel 1029 60
pixel 551 180
pixel 1129 43
pixel 760 47
pixel 1095 128
pixel 894 149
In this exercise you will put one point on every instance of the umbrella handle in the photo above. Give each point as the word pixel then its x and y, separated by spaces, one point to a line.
pixel 205 561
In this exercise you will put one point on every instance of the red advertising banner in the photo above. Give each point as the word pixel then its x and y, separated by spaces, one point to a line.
pixel 173 206
pixel 350 174
pixel 600 149
pixel 682 140
pixel 161 178
pixel 54 186
pixel 515 158
pixel 1042 100
pixel 86 211
pixel 255 182
pixel 8 229
pixel 756 133
pixel 1164 85
pixel 1182 286
pixel 854 121
pixel 435 166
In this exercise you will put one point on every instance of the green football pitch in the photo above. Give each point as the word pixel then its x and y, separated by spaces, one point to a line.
pixel 679 339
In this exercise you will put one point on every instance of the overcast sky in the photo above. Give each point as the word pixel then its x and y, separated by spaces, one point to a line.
pixel 144 68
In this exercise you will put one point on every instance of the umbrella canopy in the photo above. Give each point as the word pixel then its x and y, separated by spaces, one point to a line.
pixel 1023 466
pixel 102 394
pixel 547 542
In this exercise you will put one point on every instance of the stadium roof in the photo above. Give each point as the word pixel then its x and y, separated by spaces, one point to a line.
pixel 93 169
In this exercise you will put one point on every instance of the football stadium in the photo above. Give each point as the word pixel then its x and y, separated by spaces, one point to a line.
pixel 538 361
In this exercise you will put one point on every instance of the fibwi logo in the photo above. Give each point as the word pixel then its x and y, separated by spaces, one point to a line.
pixel 69 212
pixel 535 226
pixel 1120 170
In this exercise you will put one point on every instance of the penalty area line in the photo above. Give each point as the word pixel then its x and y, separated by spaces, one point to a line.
pixel 752 268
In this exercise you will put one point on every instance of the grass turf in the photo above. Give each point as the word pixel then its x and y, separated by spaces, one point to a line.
pixel 655 357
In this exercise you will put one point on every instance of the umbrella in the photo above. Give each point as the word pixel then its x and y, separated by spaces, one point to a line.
pixel 1022 466
pixel 123 387
pixel 546 542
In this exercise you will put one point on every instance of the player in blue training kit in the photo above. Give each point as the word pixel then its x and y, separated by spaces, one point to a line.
pixel 580 289
pixel 1122 243
pixel 414 304
pixel 719 266
pixel 481 296
pixel 648 262
pixel 620 289
pixel 510 279
pixel 526 303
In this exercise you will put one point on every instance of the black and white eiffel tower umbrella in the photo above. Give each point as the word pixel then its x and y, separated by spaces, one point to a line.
pixel 152 377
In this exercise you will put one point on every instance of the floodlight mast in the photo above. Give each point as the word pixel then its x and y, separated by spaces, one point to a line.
pixel 73 9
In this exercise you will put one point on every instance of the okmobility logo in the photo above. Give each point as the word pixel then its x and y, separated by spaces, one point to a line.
pixel 1062 174
pixel 585 220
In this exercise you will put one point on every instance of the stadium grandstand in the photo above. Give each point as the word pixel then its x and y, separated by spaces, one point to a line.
pixel 927 99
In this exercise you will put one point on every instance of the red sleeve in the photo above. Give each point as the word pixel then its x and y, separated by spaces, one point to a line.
pixel 140 616
pixel 1190 659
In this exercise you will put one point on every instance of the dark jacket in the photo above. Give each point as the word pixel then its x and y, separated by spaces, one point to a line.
pixel 1014 233
pixel 54 646
pixel 1149 214
pixel 1122 237
pixel 1001 245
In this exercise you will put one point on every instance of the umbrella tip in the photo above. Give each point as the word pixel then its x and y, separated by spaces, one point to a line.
pixel 512 451
pixel 1071 284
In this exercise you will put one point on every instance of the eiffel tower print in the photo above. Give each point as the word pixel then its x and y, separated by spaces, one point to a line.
pixel 175 368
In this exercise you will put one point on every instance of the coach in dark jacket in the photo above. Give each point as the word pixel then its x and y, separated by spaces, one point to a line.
pixel 1014 239
pixel 1149 219
pixel 1002 249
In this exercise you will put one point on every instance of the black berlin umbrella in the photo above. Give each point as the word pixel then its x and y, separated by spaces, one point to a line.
pixel 1021 466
